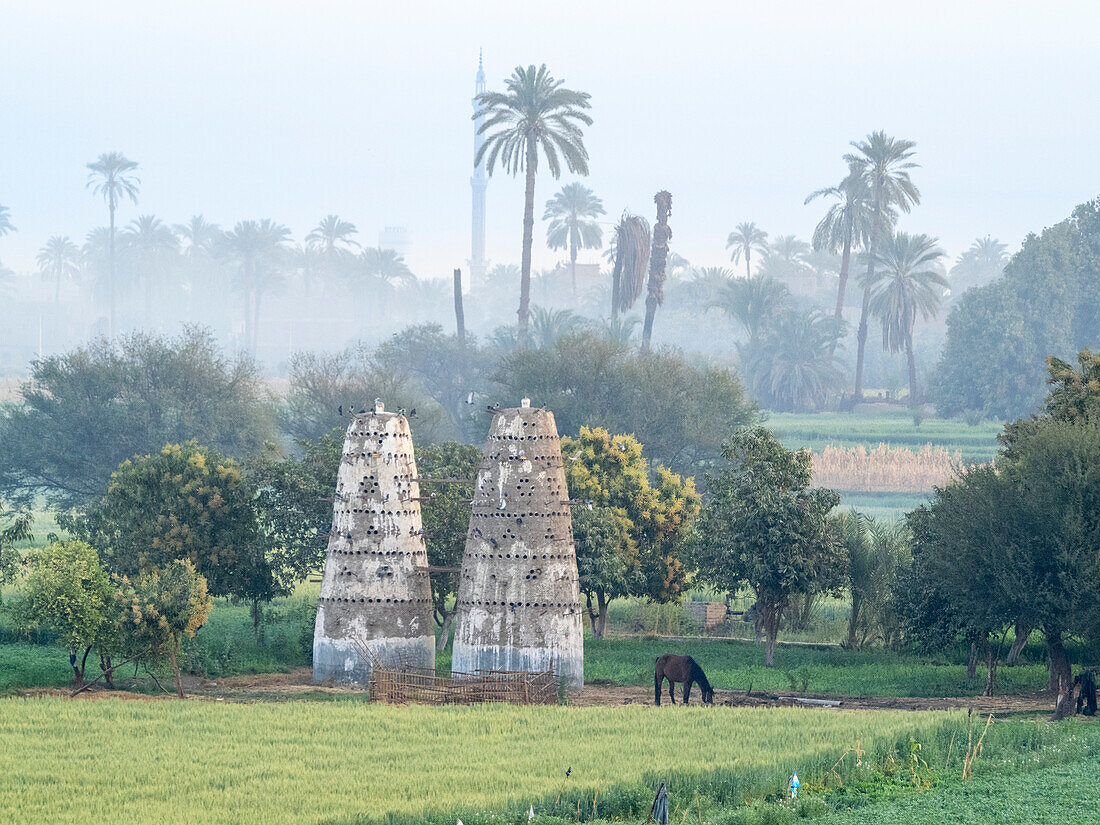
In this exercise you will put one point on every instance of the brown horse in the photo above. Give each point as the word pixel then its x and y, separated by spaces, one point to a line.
pixel 680 669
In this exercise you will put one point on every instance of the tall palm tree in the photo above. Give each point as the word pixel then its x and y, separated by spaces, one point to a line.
pixel 662 234
pixel 259 249
pixel 744 240
pixel 846 225
pixel 5 222
pixel 570 212
pixel 909 283
pixel 331 240
pixel 7 282
pixel 883 163
pixel 795 368
pixel 535 113
pixel 377 270
pixel 153 248
pixel 110 175
pixel 59 260
pixel 548 325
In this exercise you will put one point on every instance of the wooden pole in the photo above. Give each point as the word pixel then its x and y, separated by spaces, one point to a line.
pixel 460 318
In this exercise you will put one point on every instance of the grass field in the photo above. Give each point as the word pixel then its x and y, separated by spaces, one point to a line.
pixel 348 762
pixel 894 428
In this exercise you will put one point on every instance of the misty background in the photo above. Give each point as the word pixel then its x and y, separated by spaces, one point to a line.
pixel 292 113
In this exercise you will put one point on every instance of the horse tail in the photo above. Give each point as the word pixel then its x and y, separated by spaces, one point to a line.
pixel 657 676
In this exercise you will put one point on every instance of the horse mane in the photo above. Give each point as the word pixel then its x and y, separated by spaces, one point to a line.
pixel 697 675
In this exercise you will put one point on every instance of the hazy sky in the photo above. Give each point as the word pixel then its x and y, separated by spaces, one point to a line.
pixel 296 110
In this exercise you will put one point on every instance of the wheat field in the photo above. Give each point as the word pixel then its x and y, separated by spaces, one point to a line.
pixel 883 468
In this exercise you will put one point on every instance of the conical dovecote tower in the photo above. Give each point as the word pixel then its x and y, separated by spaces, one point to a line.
pixel 376 598
pixel 518 595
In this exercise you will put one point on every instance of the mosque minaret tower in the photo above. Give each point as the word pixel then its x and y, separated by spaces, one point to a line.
pixel 478 183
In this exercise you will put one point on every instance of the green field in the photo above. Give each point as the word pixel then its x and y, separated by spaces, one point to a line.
pixel 819 430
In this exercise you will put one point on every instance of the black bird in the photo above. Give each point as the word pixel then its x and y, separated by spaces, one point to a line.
pixel 341 409
pixel 412 413
pixel 494 408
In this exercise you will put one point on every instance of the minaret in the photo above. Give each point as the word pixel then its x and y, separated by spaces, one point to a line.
pixel 478 182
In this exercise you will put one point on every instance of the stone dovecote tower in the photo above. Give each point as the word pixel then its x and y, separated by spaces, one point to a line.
pixel 518 595
pixel 375 594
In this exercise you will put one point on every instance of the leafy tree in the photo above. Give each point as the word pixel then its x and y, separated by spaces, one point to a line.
pixel 66 592
pixel 909 283
pixel 763 526
pixel 111 175
pixel 846 225
pixel 745 240
pixel 570 213
pixel 654 512
pixel 12 530
pixel 162 608
pixel 291 499
pixel 85 412
pixel 259 251
pixel 446 518
pixel 536 114
pixel 680 411
pixel 883 163
pixel 184 502
pixel 59 260
pixel 999 335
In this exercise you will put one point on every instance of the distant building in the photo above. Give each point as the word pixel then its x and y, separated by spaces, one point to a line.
pixel 395 238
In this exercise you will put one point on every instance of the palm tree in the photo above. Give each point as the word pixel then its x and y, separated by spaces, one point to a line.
pixel 154 248
pixel 745 239
pixel 846 225
pixel 620 330
pixel 793 368
pixel 379 269
pixel 536 113
pixel 631 244
pixel 753 302
pixel 5 222
pixel 548 325
pixel 59 260
pixel 259 250
pixel 883 163
pixel 200 239
pixel 569 212
pixel 983 262
pixel 332 240
pixel 110 175
pixel 662 234
pixel 909 284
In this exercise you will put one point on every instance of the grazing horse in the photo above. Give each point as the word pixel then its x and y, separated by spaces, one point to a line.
pixel 680 669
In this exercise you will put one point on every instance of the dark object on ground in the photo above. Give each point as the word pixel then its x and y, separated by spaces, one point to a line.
pixel 1086 681
pixel 680 669
pixel 659 812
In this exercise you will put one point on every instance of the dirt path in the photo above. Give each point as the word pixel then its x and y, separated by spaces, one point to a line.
pixel 601 693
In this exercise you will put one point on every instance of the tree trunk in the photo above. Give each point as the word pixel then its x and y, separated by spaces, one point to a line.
pixel 111 272
pixel 1061 675
pixel 861 337
pixel 657 262
pixel 914 397
pixel 257 621
pixel 845 264
pixel 614 293
pixel 460 316
pixel 573 267
pixel 57 290
pixel 601 625
pixel 748 265
pixel 528 233
pixel 108 670
pixel 991 668
pixel 256 321
pixel 853 620
pixel 176 669
pixel 1018 643
pixel 445 630
pixel 972 666
pixel 770 614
